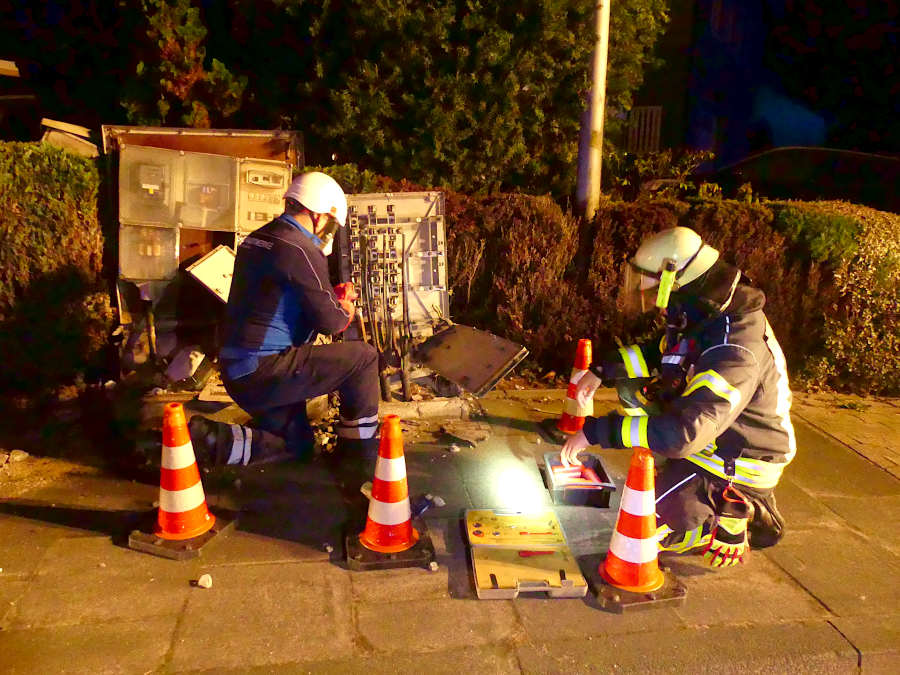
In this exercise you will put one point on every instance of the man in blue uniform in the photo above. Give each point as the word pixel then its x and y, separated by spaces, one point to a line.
pixel 280 301
pixel 711 396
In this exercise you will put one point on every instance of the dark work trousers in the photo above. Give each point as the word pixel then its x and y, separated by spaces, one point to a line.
pixel 686 495
pixel 277 391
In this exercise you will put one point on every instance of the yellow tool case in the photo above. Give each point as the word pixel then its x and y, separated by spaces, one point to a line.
pixel 515 552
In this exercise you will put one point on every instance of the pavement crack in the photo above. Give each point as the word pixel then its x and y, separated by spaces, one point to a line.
pixel 850 642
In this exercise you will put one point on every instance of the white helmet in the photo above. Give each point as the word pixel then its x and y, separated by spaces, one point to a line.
pixel 664 262
pixel 320 193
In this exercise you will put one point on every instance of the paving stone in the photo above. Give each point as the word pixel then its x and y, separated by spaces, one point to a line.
pixel 238 546
pixel 872 516
pixel 823 466
pixel 399 585
pixel 877 638
pixel 742 594
pixel 582 617
pixel 91 491
pixel 266 614
pixel 101 553
pixel 511 418
pixel 90 580
pixel 398 626
pixel 11 590
pixel 800 509
pixel 776 648
pixel 112 647
pixel 499 659
pixel 848 574
pixel 26 540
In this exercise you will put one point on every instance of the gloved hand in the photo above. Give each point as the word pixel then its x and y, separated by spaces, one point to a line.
pixel 728 544
pixel 346 294
pixel 586 387
pixel 573 445
pixel 346 291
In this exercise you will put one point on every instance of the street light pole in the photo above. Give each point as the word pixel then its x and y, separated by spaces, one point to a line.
pixel 590 159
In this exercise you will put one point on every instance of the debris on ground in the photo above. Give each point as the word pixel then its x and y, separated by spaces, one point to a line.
pixel 205 581
pixel 466 431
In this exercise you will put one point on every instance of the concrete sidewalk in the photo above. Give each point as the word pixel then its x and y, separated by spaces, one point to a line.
pixel 825 599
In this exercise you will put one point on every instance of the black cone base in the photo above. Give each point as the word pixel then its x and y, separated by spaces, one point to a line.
pixel 360 558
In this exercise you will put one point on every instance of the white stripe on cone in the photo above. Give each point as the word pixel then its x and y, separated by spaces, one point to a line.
pixel 179 457
pixel 633 550
pixel 639 502
pixel 390 470
pixel 181 500
pixel 389 513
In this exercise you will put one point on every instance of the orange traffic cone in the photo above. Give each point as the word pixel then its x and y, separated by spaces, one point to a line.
pixel 389 521
pixel 572 419
pixel 631 561
pixel 182 503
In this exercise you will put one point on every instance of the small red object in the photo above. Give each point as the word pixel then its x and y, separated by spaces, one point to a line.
pixel 529 554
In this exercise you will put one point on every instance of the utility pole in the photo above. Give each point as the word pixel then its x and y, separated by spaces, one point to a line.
pixel 590 154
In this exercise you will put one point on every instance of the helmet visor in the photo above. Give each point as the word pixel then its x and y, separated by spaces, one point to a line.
pixel 638 292
pixel 328 232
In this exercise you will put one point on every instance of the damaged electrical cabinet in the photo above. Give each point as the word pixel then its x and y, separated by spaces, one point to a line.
pixel 394 250
pixel 186 200
pixel 186 196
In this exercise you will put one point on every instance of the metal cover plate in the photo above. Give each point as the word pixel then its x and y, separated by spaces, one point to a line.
pixel 474 359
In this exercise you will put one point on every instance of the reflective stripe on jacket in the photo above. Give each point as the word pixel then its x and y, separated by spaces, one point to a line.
pixel 734 412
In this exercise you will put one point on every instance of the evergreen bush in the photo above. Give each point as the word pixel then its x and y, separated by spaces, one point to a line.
pixel 55 314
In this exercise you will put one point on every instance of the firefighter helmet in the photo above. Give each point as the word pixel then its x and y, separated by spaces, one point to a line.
pixel 665 261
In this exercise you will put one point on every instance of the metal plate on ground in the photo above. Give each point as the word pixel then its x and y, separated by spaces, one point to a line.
pixel 515 552
pixel 183 549
pixel 474 359
pixel 420 554
pixel 672 594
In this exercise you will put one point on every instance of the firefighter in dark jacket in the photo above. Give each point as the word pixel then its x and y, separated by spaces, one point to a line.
pixel 280 301
pixel 711 396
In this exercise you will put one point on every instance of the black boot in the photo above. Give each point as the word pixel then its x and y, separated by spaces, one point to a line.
pixel 220 443
pixel 353 462
pixel 766 526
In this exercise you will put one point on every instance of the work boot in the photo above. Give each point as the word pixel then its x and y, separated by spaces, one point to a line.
pixel 220 444
pixel 353 462
pixel 766 526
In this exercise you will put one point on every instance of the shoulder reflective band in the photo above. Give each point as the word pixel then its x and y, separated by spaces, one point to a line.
pixel 634 432
pixel 716 384
pixel 633 358
pixel 666 282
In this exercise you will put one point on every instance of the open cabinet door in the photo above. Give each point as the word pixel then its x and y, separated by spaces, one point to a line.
pixel 473 359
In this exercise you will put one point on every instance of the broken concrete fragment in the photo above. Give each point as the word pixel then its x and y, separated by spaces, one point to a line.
pixel 469 432
pixel 18 456
pixel 205 581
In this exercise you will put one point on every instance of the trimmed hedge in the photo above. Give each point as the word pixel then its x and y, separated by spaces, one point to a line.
pixel 830 271
pixel 55 315
pixel 524 269
pixel 518 265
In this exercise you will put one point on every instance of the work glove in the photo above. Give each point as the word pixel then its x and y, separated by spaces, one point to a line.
pixel 573 445
pixel 728 544
pixel 346 291
pixel 586 388
pixel 346 294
